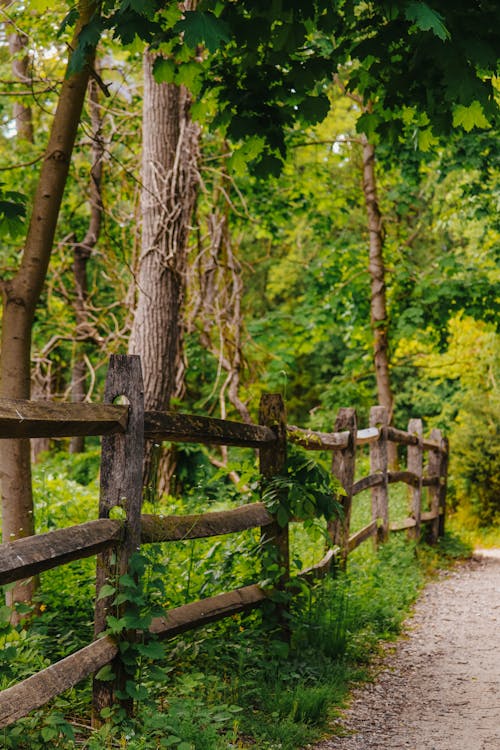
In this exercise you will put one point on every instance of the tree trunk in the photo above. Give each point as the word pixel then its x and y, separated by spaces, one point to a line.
pixel 378 305
pixel 20 297
pixel 20 69
pixel 82 253
pixel 169 188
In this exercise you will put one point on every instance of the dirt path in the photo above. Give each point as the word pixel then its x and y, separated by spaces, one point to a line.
pixel 440 687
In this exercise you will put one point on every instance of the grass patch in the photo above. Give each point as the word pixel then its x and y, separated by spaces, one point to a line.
pixel 233 684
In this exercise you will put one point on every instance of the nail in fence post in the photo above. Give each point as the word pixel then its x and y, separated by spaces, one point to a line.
pixel 378 465
pixel 343 468
pixel 121 486
pixel 272 460
pixel 415 465
pixel 434 469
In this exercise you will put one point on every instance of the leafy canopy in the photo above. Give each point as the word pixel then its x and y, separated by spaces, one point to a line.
pixel 267 63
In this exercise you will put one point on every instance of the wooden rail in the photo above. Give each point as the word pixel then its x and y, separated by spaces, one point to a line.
pixel 123 429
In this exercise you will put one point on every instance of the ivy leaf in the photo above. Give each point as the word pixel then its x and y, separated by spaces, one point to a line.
pixel 470 117
pixel 203 28
pixel 427 19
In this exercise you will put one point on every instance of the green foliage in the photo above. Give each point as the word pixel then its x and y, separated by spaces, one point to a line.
pixel 12 212
pixel 306 491
pixel 476 455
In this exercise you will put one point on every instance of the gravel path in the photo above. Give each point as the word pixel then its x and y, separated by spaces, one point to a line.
pixel 439 689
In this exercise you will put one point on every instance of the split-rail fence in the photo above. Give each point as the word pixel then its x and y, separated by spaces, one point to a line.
pixel 124 429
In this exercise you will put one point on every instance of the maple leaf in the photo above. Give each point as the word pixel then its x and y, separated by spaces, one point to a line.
pixel 427 19
pixel 470 117
pixel 203 28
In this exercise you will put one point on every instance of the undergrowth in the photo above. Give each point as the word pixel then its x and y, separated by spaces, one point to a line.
pixel 230 685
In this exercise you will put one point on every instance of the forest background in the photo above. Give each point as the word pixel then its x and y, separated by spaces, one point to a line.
pixel 292 197
pixel 299 255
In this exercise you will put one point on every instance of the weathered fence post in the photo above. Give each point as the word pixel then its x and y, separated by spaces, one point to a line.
pixel 275 537
pixel 434 470
pixel 378 465
pixel 415 465
pixel 443 482
pixel 343 468
pixel 121 486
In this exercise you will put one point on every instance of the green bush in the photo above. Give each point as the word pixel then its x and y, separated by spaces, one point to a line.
pixel 475 456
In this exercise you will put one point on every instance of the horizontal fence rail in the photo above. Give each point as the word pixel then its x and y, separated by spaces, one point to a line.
pixel 123 429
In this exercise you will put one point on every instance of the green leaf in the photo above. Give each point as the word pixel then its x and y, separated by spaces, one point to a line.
pixel 470 117
pixel 105 674
pixel 203 28
pixel 5 614
pixel 164 70
pixel 427 19
pixel 189 75
pixel 106 590
pixel 137 692
pixel 314 109
pixel 12 212
pixel 115 624
pixel 152 650
pixel 49 733
pixel 426 139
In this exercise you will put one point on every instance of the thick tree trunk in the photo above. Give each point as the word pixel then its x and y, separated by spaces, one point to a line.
pixel 378 305
pixel 82 253
pixel 170 182
pixel 21 294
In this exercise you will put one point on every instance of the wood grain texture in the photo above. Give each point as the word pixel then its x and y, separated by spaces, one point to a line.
pixel 401 437
pixel 32 555
pixel 272 463
pixel 36 691
pixel 189 428
pixel 408 477
pixel 343 469
pixel 404 525
pixel 27 419
pixel 372 480
pixel 202 525
pixel 121 486
pixel 378 465
pixel 213 608
pixel 362 535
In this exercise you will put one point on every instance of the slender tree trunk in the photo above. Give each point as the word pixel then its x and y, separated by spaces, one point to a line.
pixel 20 69
pixel 170 183
pixel 20 297
pixel 82 253
pixel 378 304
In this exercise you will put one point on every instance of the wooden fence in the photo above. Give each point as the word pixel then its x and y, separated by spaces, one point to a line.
pixel 124 429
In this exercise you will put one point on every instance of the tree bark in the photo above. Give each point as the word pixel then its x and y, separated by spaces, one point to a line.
pixel 21 294
pixel 82 254
pixel 20 69
pixel 169 188
pixel 378 303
